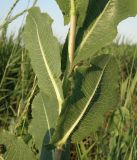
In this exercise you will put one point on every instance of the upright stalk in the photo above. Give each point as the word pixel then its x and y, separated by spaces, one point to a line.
pixel 72 33
pixel 71 48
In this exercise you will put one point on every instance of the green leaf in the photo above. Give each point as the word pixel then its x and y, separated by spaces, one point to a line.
pixel 16 149
pixel 44 51
pixel 44 117
pixel 65 8
pixel 95 7
pixel 104 29
pixel 81 7
pixel 94 94
pixel 105 99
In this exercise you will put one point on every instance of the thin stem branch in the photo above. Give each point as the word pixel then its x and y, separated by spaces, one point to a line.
pixel 8 21
pixel 11 9
pixel 12 19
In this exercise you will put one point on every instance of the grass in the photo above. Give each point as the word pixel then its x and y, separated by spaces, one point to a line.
pixel 17 82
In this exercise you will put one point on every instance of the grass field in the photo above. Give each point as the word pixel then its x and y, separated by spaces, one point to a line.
pixel 17 82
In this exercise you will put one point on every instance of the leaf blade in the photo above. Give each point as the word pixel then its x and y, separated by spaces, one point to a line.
pixel 44 117
pixel 81 9
pixel 15 147
pixel 107 100
pixel 42 46
pixel 99 34
pixel 77 107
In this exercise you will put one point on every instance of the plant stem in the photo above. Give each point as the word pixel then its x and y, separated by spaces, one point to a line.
pixel 72 33
pixel 58 154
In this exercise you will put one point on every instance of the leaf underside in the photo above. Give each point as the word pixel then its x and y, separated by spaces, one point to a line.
pixel 44 117
pixel 16 149
pixel 44 52
pixel 94 94
pixel 104 29
pixel 42 47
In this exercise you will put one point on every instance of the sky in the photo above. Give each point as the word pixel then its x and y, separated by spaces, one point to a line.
pixel 127 29
pixel 49 6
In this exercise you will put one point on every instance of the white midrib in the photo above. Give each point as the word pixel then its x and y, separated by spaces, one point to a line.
pixel 65 137
pixel 48 123
pixel 94 26
pixel 46 115
pixel 59 98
